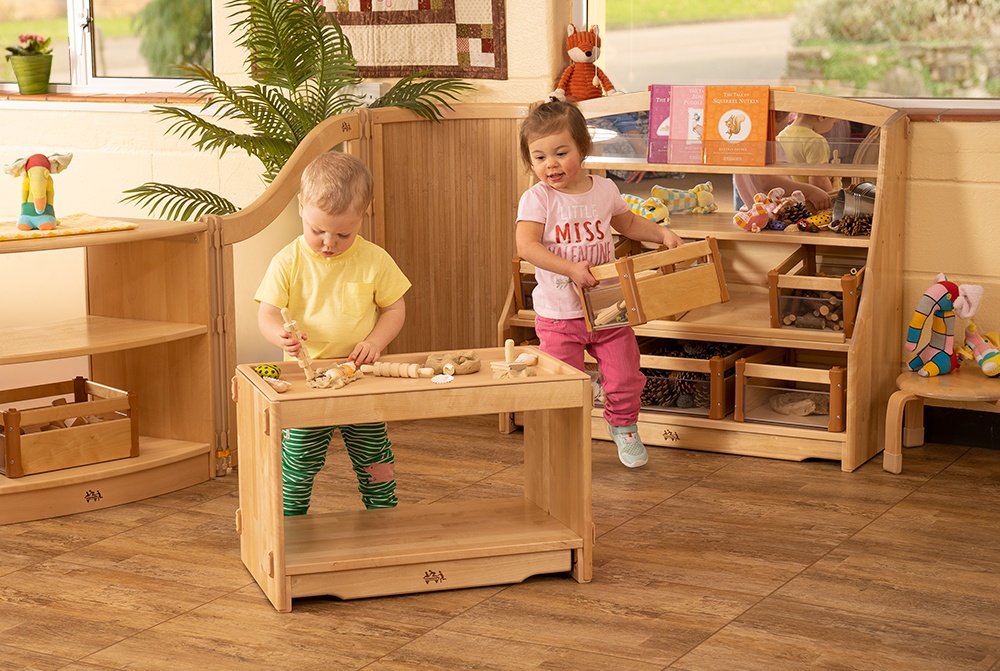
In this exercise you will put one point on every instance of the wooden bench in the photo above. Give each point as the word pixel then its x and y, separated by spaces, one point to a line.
pixel 968 383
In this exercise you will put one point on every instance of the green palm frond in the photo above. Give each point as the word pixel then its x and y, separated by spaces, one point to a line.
pixel 265 109
pixel 293 43
pixel 207 136
pixel 178 203
pixel 423 97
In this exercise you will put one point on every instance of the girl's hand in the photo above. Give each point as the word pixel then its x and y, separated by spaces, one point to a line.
pixel 580 275
pixel 670 239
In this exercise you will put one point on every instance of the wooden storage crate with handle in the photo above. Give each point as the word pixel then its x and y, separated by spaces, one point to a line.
pixel 99 424
pixel 655 285
pixel 752 376
pixel 797 292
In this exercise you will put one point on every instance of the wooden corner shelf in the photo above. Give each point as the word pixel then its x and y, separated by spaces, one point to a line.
pixel 148 330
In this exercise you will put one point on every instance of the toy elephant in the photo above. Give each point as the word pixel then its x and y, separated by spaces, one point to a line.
pixel 37 211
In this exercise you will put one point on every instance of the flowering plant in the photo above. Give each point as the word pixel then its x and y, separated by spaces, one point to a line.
pixel 31 45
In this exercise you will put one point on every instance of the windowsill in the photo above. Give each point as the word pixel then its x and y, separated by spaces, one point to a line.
pixel 135 98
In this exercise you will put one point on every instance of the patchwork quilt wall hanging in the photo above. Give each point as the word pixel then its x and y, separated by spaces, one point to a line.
pixel 451 38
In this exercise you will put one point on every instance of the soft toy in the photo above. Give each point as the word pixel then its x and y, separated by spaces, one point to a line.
pixel 699 199
pixel 772 210
pixel 653 209
pixel 983 349
pixel 942 301
pixel 582 80
pixel 37 192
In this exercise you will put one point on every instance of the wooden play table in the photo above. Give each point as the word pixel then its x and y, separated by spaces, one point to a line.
pixel 427 547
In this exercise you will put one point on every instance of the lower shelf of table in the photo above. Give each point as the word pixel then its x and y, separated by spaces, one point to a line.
pixel 163 465
pixel 422 548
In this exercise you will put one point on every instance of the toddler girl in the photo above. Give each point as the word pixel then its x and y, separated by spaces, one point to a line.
pixel 563 228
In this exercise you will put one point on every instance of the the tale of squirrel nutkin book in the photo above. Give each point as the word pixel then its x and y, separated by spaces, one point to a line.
pixel 736 125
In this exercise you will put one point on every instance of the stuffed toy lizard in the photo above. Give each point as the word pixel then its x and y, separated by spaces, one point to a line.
pixel 942 301
pixel 983 349
pixel 699 199
pixel 582 80
pixel 653 209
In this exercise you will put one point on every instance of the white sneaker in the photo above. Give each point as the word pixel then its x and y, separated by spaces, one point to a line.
pixel 631 451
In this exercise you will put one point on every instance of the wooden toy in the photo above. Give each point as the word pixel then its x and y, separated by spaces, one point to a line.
pixel 396 369
pixel 305 361
pixel 655 285
pixel 513 365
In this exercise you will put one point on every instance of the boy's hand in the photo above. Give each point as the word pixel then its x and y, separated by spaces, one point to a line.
pixel 580 275
pixel 670 239
pixel 365 352
pixel 290 344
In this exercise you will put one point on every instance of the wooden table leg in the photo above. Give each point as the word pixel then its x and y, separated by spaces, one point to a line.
pixel 892 457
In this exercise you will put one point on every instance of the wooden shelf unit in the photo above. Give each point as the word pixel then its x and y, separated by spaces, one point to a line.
pixel 872 351
pixel 148 330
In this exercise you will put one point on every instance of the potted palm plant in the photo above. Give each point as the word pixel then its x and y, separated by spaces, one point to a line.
pixel 31 60
pixel 304 71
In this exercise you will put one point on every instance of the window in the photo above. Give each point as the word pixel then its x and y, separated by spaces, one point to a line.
pixel 112 46
pixel 890 48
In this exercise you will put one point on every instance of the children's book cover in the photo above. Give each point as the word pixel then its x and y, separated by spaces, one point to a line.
pixel 659 123
pixel 736 125
pixel 687 121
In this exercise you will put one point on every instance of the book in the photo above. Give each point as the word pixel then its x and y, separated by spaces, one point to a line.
pixel 659 123
pixel 736 125
pixel 687 124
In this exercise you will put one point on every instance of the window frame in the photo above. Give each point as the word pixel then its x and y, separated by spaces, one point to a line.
pixel 80 24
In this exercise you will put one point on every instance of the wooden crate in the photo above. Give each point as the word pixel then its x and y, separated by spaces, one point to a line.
pixel 661 284
pixel 98 424
pixel 784 387
pixel 686 383
pixel 816 288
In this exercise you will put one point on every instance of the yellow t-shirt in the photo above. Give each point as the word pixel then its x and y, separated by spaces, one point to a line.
pixel 803 145
pixel 334 300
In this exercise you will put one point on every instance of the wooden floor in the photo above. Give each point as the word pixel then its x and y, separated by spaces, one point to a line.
pixel 702 562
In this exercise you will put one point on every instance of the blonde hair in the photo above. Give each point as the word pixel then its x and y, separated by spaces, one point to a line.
pixel 553 117
pixel 335 183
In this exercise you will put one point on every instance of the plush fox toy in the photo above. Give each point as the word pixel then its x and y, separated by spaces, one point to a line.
pixel 582 80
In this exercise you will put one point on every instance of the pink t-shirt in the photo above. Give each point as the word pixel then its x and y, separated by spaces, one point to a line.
pixel 577 228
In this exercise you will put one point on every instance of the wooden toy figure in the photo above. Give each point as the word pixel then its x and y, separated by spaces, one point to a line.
pixel 37 212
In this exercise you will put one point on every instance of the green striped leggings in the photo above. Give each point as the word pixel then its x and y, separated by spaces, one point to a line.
pixel 303 453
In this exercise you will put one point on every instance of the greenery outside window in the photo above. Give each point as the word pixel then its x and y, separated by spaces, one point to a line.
pixel 908 49
pixel 112 46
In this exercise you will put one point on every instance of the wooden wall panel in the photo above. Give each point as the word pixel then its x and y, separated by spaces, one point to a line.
pixel 445 211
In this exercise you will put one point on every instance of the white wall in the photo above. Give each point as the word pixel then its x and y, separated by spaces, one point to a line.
pixel 117 146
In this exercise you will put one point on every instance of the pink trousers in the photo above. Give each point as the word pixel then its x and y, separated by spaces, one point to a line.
pixel 617 355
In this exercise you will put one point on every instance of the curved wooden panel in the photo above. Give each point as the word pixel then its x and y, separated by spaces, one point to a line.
pixel 257 215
